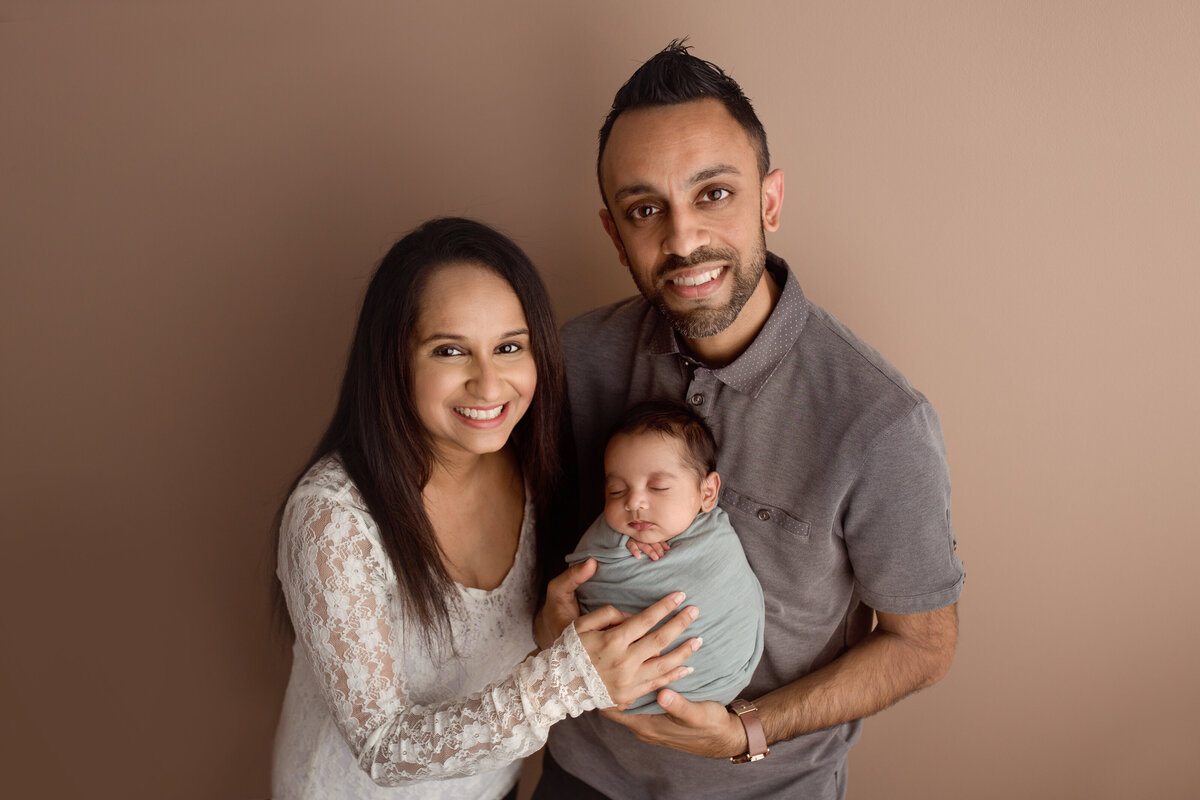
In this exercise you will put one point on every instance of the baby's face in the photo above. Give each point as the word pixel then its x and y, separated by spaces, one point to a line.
pixel 651 490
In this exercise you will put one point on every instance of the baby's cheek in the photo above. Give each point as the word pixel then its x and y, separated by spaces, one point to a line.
pixel 613 515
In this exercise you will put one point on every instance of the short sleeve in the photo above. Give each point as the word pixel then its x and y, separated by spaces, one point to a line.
pixel 896 521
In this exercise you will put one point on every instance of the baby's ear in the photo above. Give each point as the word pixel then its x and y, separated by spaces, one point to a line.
pixel 710 489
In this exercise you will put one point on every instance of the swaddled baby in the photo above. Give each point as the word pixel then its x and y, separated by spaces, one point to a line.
pixel 661 488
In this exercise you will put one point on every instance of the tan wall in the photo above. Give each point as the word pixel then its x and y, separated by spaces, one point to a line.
pixel 1002 197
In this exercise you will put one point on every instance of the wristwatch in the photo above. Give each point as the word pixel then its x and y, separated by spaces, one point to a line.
pixel 756 739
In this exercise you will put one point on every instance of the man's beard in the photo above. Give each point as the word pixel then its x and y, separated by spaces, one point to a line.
pixel 702 322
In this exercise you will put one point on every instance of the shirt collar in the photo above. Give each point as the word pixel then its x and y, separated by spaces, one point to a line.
pixel 750 371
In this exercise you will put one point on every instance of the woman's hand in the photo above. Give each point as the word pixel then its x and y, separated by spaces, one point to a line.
pixel 561 607
pixel 625 652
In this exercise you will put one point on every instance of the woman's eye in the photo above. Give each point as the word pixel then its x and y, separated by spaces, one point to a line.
pixel 508 348
pixel 447 351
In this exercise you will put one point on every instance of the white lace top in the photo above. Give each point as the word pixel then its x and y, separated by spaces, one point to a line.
pixel 369 711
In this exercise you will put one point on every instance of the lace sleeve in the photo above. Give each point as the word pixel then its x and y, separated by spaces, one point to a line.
pixel 336 584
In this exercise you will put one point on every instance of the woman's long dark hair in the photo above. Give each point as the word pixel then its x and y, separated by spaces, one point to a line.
pixel 380 440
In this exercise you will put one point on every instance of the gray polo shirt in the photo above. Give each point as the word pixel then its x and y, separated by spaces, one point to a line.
pixel 834 475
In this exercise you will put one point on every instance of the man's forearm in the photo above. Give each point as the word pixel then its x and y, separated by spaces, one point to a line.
pixel 905 653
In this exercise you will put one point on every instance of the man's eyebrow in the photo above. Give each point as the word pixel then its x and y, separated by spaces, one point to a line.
pixel 716 170
pixel 632 189
pixel 705 174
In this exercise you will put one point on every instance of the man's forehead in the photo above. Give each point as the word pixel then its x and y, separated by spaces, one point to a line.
pixel 697 138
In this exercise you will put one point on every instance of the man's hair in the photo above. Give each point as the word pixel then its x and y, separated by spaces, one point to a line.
pixel 675 76
pixel 676 421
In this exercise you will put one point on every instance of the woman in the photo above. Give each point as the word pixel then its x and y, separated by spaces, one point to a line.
pixel 407 555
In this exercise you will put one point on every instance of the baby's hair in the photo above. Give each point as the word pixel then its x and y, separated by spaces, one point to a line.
pixel 675 420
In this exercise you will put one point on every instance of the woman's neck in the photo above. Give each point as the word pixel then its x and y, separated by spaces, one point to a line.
pixel 476 508
pixel 465 471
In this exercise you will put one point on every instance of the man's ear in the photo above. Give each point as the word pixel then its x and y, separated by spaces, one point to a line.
pixel 710 490
pixel 772 200
pixel 610 227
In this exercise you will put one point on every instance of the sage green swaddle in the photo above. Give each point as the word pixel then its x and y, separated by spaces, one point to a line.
pixel 706 562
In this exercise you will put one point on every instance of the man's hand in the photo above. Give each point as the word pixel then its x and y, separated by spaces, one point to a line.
pixel 704 729
pixel 561 607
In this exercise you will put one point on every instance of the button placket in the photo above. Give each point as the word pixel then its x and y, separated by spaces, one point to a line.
pixel 698 388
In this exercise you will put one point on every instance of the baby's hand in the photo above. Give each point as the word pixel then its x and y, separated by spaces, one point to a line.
pixel 653 549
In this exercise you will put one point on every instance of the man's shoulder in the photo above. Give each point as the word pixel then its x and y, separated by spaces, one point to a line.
pixel 614 317
pixel 833 347
pixel 609 328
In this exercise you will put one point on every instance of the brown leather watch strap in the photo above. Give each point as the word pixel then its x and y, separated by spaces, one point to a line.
pixel 756 739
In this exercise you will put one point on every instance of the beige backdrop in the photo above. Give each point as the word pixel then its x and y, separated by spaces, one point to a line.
pixel 1002 197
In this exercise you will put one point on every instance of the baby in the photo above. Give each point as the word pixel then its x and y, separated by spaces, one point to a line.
pixel 661 488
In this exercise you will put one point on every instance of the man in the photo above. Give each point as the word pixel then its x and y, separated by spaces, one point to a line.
pixel 834 468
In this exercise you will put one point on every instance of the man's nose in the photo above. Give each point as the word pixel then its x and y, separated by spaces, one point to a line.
pixel 686 232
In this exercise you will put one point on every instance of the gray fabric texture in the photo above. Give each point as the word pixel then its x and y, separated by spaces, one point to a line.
pixel 834 474
pixel 705 562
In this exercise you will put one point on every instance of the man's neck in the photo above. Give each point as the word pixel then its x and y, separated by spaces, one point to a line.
pixel 726 346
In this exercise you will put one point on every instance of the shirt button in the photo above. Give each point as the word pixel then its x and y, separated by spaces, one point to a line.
pixel 696 399
pixel 764 515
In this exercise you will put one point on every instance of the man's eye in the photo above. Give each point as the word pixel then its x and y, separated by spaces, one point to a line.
pixel 713 195
pixel 642 212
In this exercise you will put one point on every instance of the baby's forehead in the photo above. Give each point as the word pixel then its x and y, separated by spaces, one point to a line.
pixel 647 439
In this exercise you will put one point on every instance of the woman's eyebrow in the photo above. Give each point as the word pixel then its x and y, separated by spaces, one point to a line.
pixel 458 337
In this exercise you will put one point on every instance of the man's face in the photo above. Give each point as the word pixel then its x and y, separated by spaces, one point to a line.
pixel 687 210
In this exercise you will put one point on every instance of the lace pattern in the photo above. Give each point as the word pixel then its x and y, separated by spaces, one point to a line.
pixel 404 714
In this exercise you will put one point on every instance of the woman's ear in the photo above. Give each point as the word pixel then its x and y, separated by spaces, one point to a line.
pixel 710 490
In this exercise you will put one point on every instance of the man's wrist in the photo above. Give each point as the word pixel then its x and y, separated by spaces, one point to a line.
pixel 756 738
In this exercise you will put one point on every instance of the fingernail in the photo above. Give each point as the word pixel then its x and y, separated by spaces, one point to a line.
pixel 679 597
pixel 699 640
pixel 693 612
pixel 665 698
pixel 690 670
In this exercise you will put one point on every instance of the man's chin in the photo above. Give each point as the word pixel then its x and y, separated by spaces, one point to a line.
pixel 698 323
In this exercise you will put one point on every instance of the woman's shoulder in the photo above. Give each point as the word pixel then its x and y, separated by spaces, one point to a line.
pixel 327 477
pixel 327 483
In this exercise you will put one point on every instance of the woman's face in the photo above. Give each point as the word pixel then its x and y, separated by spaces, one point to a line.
pixel 473 371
